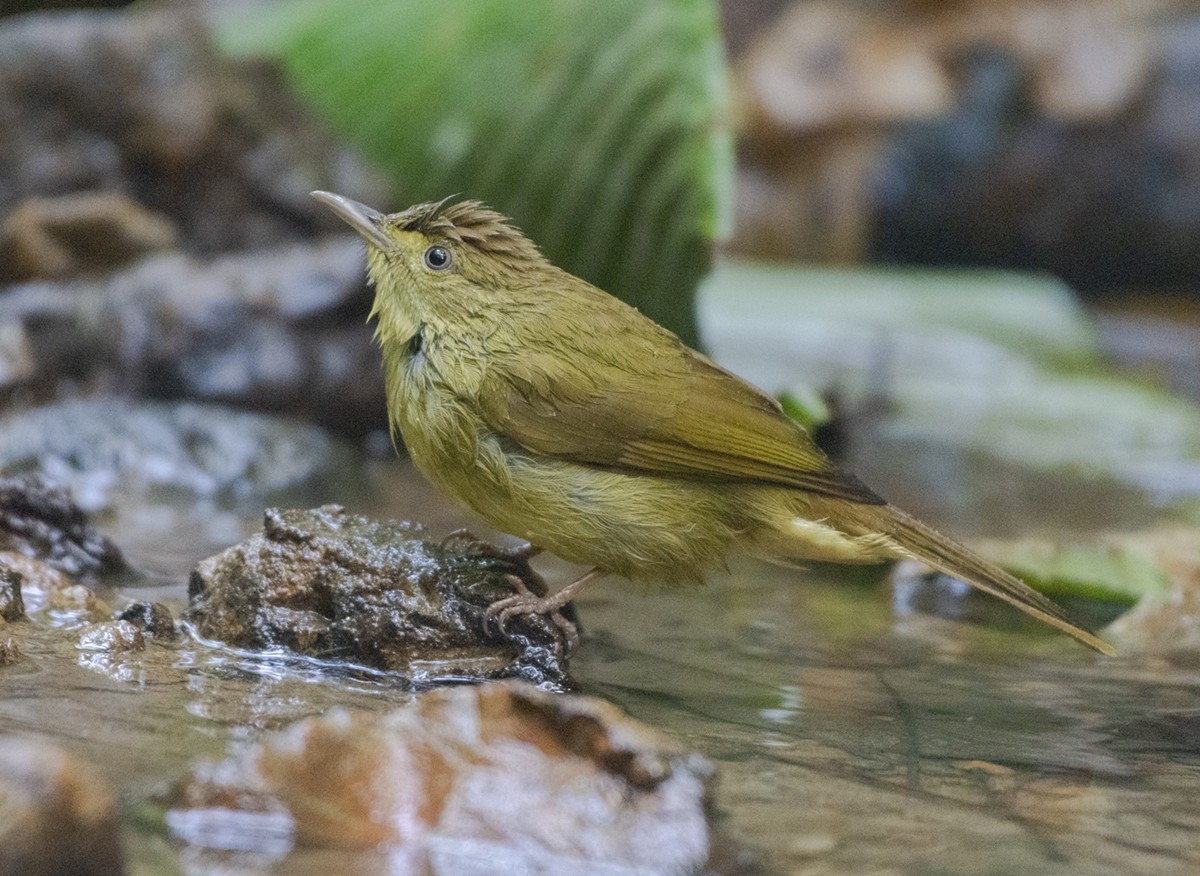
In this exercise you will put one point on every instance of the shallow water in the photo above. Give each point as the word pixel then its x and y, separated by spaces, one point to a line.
pixel 848 740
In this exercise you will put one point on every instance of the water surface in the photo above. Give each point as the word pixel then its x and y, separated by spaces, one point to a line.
pixel 848 740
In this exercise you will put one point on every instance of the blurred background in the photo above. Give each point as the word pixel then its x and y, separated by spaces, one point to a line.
pixel 956 237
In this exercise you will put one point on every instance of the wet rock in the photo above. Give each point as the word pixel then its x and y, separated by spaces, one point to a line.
pixel 378 593
pixel 10 652
pixel 45 587
pixel 77 598
pixel 43 521
pixel 101 448
pixel 12 606
pixel 469 780
pixel 917 588
pixel 56 815
pixel 17 366
pixel 114 637
pixel 144 105
pixel 120 130
pixel 277 329
pixel 1166 621
pixel 152 618
pixel 78 233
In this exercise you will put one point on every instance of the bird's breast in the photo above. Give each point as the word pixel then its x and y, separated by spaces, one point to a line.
pixel 431 381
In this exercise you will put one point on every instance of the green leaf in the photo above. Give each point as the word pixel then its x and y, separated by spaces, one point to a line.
pixel 598 126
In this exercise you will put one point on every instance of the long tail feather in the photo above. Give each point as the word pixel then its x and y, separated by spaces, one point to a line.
pixel 922 543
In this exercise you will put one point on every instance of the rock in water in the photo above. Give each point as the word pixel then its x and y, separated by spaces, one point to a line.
pixel 107 448
pixel 12 604
pixel 497 778
pixel 42 521
pixel 278 329
pixel 56 815
pixel 336 586
pixel 152 618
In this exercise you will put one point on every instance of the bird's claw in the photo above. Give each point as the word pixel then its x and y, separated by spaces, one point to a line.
pixel 526 602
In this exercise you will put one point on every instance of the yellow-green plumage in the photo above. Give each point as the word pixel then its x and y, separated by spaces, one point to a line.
pixel 562 415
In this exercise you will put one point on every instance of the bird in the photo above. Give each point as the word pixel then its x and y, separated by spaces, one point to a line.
pixel 565 417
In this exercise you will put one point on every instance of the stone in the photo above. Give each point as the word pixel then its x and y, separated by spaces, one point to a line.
pixel 42 521
pixel 113 637
pixel 12 606
pixel 122 132
pixel 10 652
pixel 76 598
pixel 78 233
pixel 56 815
pixel 145 106
pixel 42 585
pixel 153 619
pixel 102 448
pixel 280 328
pixel 1166 623
pixel 501 777
pixel 336 586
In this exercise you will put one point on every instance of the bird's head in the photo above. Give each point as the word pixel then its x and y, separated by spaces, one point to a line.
pixel 439 255
pixel 439 244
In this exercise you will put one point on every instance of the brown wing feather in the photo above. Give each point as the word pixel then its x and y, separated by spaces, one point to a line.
pixel 676 414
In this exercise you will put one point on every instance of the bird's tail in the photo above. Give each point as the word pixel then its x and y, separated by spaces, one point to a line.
pixel 919 542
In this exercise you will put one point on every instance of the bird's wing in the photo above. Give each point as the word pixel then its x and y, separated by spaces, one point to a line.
pixel 665 410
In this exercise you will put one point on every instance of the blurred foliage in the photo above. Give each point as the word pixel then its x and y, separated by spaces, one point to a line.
pixel 597 126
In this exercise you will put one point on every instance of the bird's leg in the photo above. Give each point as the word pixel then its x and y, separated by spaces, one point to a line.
pixel 518 557
pixel 526 602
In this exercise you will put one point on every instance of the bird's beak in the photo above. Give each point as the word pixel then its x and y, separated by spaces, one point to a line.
pixel 360 217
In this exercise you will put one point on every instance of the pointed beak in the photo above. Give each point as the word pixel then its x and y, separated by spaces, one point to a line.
pixel 366 221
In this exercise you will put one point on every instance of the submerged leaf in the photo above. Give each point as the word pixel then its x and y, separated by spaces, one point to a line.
pixel 597 126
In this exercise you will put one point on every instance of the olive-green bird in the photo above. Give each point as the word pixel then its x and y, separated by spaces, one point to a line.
pixel 561 415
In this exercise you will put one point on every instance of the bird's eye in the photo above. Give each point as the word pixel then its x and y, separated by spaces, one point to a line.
pixel 438 258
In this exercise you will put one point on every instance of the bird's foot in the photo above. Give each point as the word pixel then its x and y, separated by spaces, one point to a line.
pixel 526 602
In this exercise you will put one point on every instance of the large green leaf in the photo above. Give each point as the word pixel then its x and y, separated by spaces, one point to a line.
pixel 598 126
